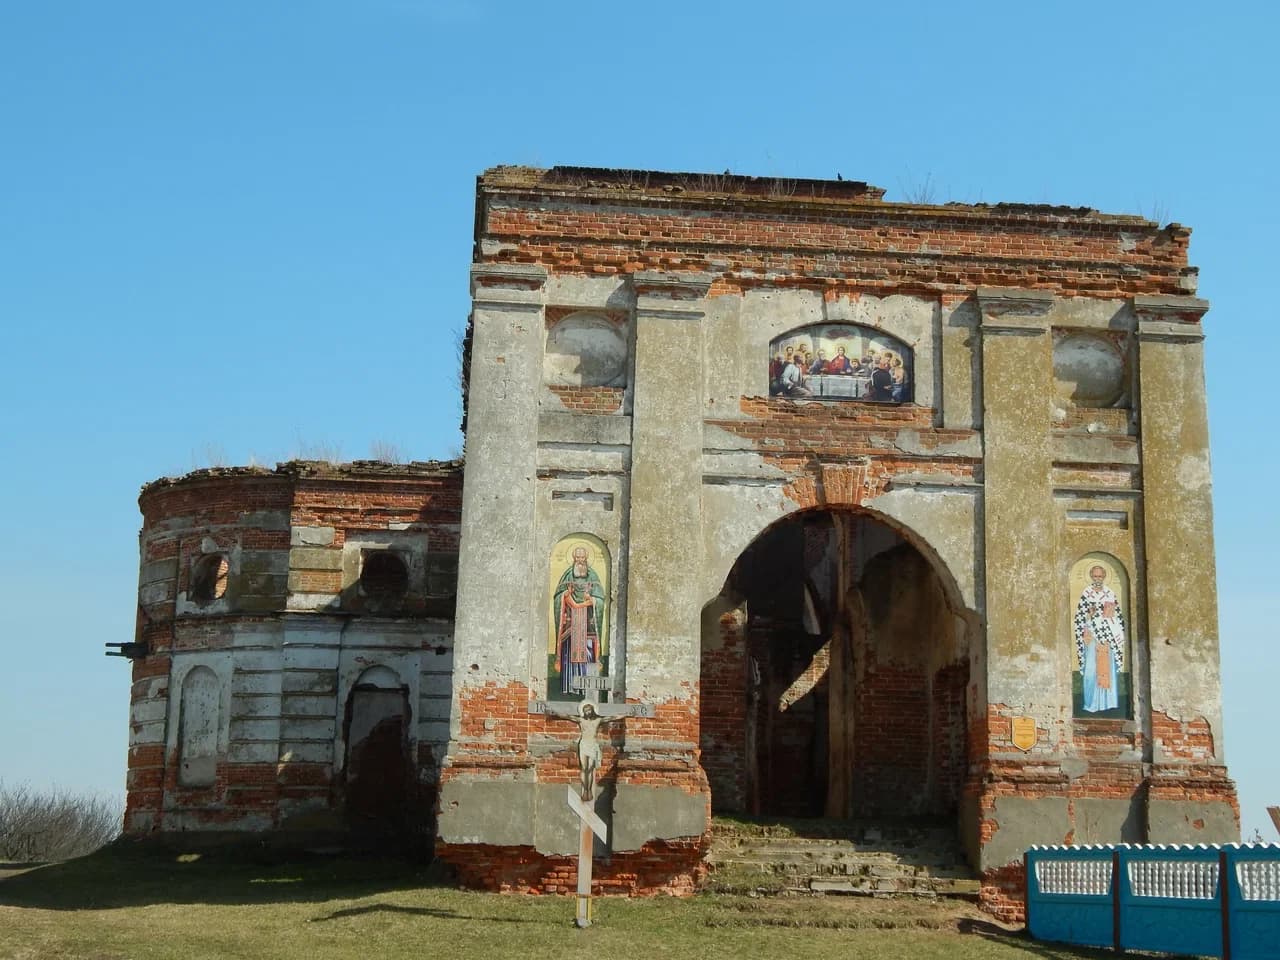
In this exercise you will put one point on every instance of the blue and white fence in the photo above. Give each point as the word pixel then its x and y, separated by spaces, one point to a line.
pixel 1169 899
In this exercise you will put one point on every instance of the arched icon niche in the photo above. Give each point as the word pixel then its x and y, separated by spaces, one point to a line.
pixel 840 362
pixel 578 619
pixel 1101 675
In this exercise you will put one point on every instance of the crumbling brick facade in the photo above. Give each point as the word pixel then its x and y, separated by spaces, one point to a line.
pixel 863 507
pixel 242 714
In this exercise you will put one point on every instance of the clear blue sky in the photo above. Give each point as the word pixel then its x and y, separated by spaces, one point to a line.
pixel 240 231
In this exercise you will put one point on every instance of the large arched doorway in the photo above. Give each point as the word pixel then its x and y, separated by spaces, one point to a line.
pixel 834 676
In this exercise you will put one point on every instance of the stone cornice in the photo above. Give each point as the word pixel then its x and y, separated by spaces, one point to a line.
pixel 672 295
pixel 671 286
pixel 1186 308
pixel 512 284
pixel 1014 310
pixel 1170 318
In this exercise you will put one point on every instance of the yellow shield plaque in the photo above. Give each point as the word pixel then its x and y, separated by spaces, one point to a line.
pixel 1024 732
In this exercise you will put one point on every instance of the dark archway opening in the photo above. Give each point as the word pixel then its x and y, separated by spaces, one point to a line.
pixel 378 772
pixel 834 677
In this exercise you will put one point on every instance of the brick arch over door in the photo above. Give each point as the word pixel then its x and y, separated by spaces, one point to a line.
pixel 944 527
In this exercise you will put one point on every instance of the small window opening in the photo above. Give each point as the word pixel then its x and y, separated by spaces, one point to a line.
pixel 384 578
pixel 442 575
pixel 209 579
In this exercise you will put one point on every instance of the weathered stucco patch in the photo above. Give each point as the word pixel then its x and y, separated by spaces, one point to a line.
pixel 1021 822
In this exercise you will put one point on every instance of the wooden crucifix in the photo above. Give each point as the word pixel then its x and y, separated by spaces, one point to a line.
pixel 589 717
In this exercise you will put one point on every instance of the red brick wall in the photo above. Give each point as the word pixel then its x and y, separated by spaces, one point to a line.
pixel 144 784
pixel 723 727
pixel 375 502
pixel 1182 740
pixel 535 217
pixel 658 867
pixel 589 399
pixel 495 730
pixel 891 740
pixel 494 719
pixel 949 717
pixel 214 496
pixel 1004 892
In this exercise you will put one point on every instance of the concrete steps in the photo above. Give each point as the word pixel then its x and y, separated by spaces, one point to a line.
pixel 830 856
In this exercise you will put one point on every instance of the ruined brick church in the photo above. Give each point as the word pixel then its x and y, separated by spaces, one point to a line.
pixel 868 511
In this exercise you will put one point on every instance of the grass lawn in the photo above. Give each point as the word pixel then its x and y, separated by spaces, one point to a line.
pixel 122 903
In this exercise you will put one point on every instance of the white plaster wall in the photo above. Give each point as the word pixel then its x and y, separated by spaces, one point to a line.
pixel 310 664
pixel 148 711
pixel 588 293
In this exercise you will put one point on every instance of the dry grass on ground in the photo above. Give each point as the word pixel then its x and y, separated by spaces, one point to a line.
pixel 122 903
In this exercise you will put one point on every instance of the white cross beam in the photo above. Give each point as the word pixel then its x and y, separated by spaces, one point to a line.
pixel 592 826
pixel 588 816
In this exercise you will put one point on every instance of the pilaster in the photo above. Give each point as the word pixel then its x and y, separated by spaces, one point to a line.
pixel 665 552
pixel 1017 381
pixel 1177 511
pixel 499 577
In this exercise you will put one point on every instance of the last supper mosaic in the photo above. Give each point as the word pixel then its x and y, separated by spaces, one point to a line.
pixel 840 362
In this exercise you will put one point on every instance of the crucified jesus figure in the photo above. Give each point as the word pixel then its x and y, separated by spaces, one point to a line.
pixel 589 723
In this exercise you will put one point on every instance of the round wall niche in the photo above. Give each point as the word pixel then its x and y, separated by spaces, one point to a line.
pixel 585 350
pixel 1088 370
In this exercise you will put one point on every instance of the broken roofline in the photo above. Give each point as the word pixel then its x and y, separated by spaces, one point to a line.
pixel 315 469
pixel 604 178
pixel 602 182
